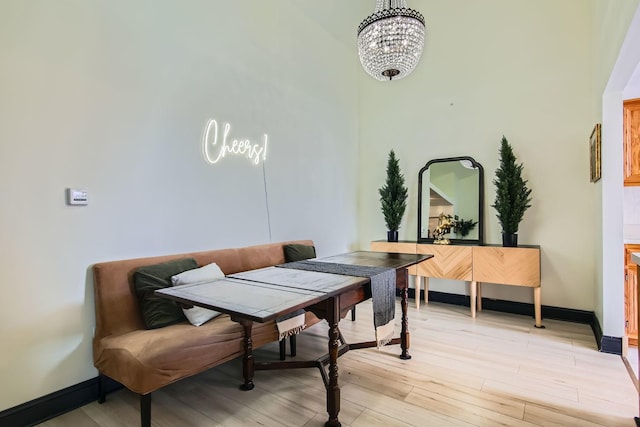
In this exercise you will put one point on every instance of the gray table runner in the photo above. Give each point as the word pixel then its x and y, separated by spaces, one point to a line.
pixel 383 290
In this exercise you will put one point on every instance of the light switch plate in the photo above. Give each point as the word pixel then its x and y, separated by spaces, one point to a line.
pixel 77 196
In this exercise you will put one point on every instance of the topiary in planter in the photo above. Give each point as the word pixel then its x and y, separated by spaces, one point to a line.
pixel 513 197
pixel 393 196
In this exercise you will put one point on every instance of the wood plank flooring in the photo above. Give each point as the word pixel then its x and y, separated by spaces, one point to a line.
pixel 495 370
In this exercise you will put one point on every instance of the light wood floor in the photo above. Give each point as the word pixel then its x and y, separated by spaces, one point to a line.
pixel 496 370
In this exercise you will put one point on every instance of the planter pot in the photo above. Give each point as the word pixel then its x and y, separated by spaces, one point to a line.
pixel 509 240
pixel 392 236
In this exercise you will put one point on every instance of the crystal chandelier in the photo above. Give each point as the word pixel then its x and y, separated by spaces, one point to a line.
pixel 390 41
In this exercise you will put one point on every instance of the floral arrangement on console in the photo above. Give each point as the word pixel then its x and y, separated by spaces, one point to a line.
pixel 447 223
pixel 464 226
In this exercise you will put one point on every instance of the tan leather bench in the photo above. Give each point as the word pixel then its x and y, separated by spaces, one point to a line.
pixel 144 360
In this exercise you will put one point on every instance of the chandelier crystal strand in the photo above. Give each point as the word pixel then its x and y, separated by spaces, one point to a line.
pixel 390 41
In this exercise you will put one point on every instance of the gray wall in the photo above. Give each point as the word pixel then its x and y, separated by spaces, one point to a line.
pixel 113 96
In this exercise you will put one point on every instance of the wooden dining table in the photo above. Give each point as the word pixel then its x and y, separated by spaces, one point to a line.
pixel 269 293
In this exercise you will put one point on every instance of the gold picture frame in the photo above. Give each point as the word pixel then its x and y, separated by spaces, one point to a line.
pixel 595 153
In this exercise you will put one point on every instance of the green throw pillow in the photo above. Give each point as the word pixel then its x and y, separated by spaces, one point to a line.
pixel 158 311
pixel 298 252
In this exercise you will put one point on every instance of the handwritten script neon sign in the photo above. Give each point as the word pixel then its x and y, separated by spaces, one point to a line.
pixel 215 148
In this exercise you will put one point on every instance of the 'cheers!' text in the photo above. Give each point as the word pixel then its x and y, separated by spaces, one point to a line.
pixel 213 149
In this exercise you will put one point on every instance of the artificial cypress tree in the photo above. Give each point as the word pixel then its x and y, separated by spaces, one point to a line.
pixel 393 196
pixel 513 197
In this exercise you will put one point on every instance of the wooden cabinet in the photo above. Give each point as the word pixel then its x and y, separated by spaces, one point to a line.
pixel 631 295
pixel 507 266
pixel 631 109
pixel 475 264
pixel 448 262
pixel 630 305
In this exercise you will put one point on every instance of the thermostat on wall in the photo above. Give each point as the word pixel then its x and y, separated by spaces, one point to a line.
pixel 77 196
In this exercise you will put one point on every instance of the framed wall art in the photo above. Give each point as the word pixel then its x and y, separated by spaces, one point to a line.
pixel 595 153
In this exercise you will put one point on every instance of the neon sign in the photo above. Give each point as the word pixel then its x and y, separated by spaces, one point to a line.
pixel 213 152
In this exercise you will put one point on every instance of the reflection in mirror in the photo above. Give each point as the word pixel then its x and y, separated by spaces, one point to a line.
pixel 451 201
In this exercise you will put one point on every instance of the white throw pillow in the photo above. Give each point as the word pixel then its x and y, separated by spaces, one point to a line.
pixel 198 315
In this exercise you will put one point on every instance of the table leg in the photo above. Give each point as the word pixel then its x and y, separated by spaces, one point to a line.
pixel 473 290
pixel 333 388
pixel 537 307
pixel 418 285
pixel 247 359
pixel 404 335
pixel 479 296
pixel 426 290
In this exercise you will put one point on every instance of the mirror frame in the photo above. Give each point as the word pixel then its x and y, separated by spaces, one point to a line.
pixel 480 239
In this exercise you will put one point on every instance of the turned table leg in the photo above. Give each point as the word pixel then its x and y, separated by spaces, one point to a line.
pixel 247 360
pixel 405 341
pixel 333 388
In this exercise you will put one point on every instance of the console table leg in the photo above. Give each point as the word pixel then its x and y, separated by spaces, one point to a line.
pixel 426 289
pixel 405 341
pixel 537 307
pixel 333 388
pixel 473 291
pixel 479 296
pixel 418 285
pixel 247 359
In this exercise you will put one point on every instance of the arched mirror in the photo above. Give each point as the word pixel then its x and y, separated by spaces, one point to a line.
pixel 451 201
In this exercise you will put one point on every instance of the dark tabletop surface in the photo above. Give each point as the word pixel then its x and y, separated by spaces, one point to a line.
pixel 265 294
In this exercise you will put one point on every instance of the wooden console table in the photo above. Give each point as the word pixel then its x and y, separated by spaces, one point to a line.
pixel 474 264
